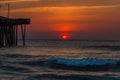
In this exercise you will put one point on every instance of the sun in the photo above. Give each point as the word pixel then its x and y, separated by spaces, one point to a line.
pixel 64 36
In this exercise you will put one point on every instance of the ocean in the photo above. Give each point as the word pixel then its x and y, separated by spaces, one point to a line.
pixel 61 60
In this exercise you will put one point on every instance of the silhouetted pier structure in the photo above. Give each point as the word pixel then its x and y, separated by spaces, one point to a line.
pixel 9 31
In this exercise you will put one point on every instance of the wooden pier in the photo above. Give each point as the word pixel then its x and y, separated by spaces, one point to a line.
pixel 9 31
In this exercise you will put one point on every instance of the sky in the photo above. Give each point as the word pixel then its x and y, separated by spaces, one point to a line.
pixel 80 19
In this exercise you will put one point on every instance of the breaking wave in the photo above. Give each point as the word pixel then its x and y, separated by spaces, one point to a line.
pixel 84 64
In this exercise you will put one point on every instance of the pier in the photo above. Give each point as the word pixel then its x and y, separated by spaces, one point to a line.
pixel 9 31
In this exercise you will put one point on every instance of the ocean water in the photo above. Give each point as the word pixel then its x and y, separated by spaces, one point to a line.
pixel 61 60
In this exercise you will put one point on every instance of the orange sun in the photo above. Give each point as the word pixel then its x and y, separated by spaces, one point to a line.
pixel 64 36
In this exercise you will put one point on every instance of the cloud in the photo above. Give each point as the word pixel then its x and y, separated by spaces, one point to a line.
pixel 53 3
pixel 12 1
pixel 78 2
pixel 41 9
pixel 20 4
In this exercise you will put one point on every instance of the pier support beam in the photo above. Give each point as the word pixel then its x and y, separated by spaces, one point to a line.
pixel 23 31
pixel 16 35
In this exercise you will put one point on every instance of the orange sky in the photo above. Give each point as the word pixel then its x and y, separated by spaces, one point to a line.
pixel 82 19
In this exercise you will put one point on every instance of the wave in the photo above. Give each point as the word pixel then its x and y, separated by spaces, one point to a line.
pixel 69 77
pixel 85 64
pixel 15 69
pixel 108 47
pixel 15 56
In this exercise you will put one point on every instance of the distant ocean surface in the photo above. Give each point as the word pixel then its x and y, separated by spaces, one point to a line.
pixel 61 60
